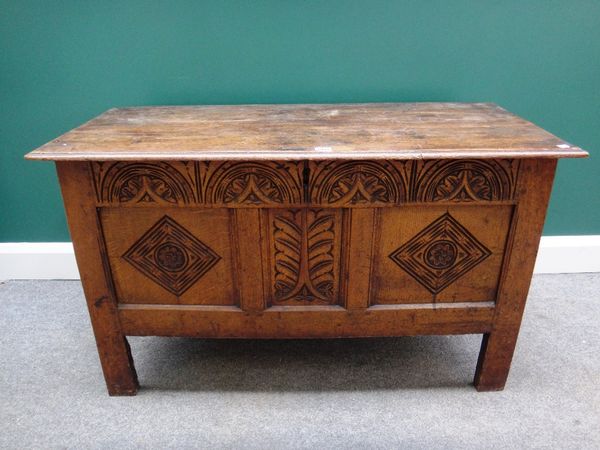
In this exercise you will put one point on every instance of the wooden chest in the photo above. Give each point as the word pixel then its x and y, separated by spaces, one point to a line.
pixel 306 221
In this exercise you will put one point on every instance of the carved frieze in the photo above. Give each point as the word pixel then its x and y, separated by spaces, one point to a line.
pixel 381 183
pixel 144 183
pixel 464 180
pixel 347 183
pixel 232 184
pixel 251 183
pixel 295 183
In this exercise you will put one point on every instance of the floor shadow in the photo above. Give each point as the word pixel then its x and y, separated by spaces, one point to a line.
pixel 305 365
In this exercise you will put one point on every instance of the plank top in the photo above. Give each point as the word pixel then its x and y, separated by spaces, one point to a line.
pixel 285 132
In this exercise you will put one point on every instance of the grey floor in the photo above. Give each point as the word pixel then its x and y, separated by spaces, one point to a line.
pixel 358 393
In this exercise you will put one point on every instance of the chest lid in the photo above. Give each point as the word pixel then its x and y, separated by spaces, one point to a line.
pixel 293 132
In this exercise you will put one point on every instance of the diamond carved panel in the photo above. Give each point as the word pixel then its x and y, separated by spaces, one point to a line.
pixel 171 256
pixel 440 254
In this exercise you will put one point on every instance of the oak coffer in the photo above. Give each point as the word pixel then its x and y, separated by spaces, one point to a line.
pixel 306 221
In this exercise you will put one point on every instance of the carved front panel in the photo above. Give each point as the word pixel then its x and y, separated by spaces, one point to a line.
pixel 438 253
pixel 171 255
pixel 303 256
pixel 438 231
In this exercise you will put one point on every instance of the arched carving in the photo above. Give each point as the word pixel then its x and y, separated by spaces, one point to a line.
pixel 464 181
pixel 251 183
pixel 357 182
pixel 134 183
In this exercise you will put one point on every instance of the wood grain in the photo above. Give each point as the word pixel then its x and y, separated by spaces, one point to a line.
pixel 305 322
pixel 292 132
pixel 406 241
pixel 201 277
pixel 498 346
pixel 88 242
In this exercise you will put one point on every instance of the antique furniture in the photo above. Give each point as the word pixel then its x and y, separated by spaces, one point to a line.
pixel 306 221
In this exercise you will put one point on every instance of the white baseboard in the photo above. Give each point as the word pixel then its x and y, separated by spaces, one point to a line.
pixel 568 254
pixel 38 260
pixel 56 261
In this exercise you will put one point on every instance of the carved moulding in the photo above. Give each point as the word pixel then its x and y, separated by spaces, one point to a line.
pixel 464 180
pixel 351 183
pixel 305 249
pixel 144 183
pixel 327 183
pixel 251 183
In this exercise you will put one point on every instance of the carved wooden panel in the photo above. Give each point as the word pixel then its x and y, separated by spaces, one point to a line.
pixel 230 184
pixel 464 180
pixel 251 183
pixel 389 183
pixel 357 183
pixel 326 183
pixel 438 253
pixel 171 255
pixel 304 256
pixel 144 183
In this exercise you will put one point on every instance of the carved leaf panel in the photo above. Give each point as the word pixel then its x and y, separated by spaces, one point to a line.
pixel 304 256
pixel 287 240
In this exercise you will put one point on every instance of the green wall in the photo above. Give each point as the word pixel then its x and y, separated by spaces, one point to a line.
pixel 64 62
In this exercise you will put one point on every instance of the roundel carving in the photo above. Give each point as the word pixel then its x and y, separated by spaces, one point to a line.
pixel 251 183
pixel 145 183
pixel 441 254
pixel 356 182
pixel 464 181
pixel 170 257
